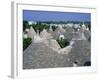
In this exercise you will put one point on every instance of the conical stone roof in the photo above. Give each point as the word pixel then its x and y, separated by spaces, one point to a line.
pixel 31 32
pixel 44 34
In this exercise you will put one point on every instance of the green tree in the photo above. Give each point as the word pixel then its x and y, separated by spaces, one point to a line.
pixel 25 25
pixel 26 43
pixel 54 28
pixel 39 26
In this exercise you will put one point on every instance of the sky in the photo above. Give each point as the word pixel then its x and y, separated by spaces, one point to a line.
pixel 32 15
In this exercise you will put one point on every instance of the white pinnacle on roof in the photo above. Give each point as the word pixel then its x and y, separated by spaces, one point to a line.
pixel 83 26
pixel 61 37
pixel 59 30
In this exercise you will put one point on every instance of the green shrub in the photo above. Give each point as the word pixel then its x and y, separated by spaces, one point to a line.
pixel 54 28
pixel 63 42
pixel 26 43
